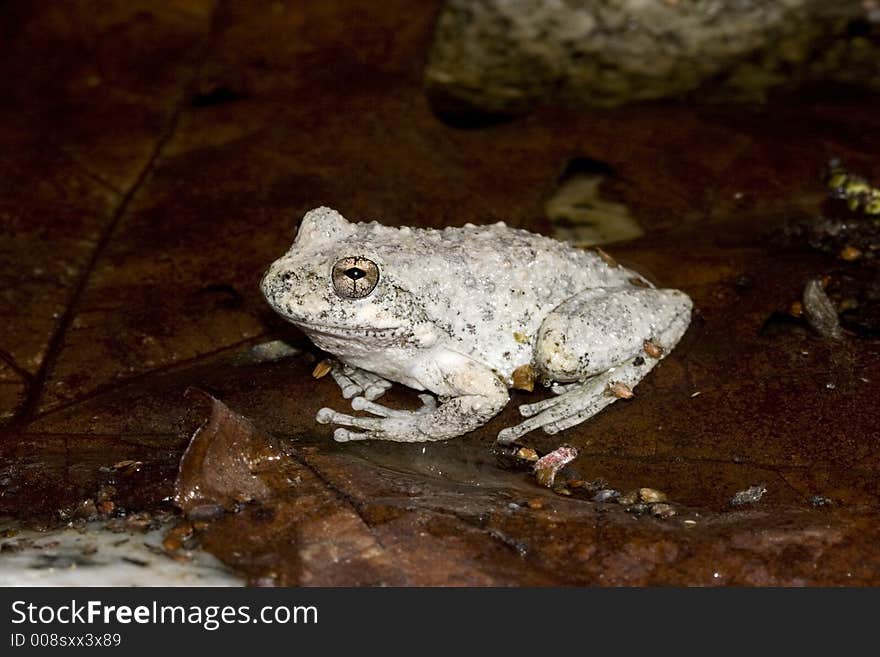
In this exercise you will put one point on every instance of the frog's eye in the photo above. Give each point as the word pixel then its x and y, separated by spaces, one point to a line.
pixel 354 277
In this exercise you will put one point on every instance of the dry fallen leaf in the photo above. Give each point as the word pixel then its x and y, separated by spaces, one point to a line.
pixel 176 194
pixel 322 369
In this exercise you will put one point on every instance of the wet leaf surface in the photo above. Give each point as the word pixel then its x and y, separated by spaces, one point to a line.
pixel 158 159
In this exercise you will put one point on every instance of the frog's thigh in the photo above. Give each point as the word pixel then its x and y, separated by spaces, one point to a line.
pixel 598 329
pixel 579 401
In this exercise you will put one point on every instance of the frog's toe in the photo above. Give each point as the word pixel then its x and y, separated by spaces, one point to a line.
pixel 508 435
pixel 528 410
pixel 567 396
pixel 376 389
pixel 353 382
pixel 550 420
pixel 578 403
pixel 348 386
pixel 364 404
pixel 341 435
pixel 372 386
pixel 329 416
pixel 429 404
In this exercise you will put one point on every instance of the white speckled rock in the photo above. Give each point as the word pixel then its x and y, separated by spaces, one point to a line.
pixel 93 555
pixel 458 312
pixel 503 56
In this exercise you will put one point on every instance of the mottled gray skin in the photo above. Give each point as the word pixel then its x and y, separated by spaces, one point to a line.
pixel 457 311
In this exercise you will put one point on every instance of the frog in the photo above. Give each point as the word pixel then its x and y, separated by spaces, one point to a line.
pixel 463 315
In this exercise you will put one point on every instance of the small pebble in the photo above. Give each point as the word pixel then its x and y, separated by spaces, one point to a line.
pixel 850 253
pixel 653 349
pixel 820 312
pixel 629 498
pixel 651 495
pixel 535 503
pixel 527 454
pixel 620 390
pixel 523 378
pixel 173 541
pixel 606 495
pixel 663 510
pixel 639 509
pixel 548 465
pixel 820 500
pixel 106 507
pixel 750 495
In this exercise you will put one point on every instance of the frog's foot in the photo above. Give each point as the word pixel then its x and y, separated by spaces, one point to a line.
pixel 389 423
pixel 353 382
pixel 575 404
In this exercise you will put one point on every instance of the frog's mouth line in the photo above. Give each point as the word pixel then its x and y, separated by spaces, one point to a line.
pixel 392 332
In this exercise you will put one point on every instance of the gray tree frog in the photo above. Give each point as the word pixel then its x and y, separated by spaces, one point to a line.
pixel 464 313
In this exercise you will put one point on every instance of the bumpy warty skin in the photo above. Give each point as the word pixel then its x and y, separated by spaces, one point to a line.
pixel 483 289
pixel 457 311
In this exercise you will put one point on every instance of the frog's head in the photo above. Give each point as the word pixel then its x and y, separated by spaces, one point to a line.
pixel 332 283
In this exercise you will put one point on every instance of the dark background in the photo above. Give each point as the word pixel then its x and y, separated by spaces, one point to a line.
pixel 156 157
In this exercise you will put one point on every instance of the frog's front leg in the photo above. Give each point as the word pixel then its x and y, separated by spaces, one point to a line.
pixel 471 395
pixel 595 339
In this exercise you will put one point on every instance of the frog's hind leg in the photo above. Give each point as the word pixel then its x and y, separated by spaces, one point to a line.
pixel 599 339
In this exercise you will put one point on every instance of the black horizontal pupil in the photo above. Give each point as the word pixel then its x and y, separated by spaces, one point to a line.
pixel 355 273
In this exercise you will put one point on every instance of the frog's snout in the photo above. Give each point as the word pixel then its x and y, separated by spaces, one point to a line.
pixel 271 284
pixel 264 283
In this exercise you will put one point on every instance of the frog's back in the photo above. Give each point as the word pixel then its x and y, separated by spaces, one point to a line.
pixel 490 287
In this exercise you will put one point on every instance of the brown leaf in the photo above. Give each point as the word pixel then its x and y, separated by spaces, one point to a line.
pixel 225 463
pixel 283 515
pixel 322 369
pixel 142 199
